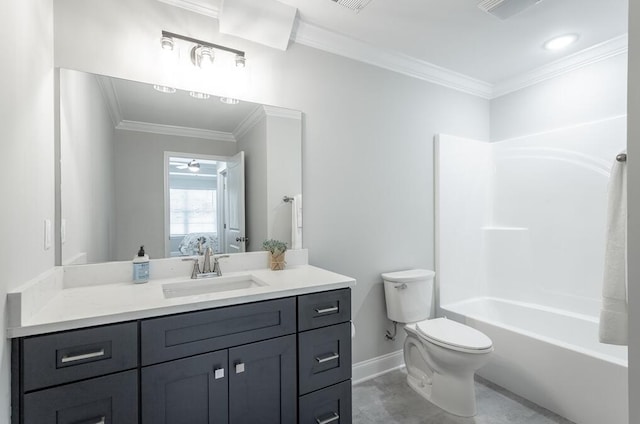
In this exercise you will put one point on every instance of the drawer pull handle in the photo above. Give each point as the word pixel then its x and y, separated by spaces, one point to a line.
pixel 332 418
pixel 327 310
pixel 328 358
pixel 239 368
pixel 89 355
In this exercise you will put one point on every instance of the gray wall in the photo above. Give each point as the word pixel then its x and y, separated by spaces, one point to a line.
pixel 367 154
pixel 254 144
pixel 87 185
pixel 26 148
pixel 139 169
pixel 587 94
pixel 284 152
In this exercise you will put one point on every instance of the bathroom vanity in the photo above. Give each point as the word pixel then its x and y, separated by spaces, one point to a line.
pixel 275 353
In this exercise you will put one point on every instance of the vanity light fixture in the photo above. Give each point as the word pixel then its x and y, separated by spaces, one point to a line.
pixel 164 89
pixel 166 42
pixel 202 56
pixel 198 95
pixel 229 100
pixel 202 52
pixel 561 42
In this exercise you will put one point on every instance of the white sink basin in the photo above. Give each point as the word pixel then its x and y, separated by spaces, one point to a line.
pixel 210 285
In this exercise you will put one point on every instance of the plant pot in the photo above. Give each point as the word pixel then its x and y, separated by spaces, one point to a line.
pixel 276 261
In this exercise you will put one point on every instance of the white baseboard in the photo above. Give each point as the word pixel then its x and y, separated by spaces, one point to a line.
pixel 372 368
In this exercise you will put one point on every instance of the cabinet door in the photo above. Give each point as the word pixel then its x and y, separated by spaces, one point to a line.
pixel 103 400
pixel 186 391
pixel 262 382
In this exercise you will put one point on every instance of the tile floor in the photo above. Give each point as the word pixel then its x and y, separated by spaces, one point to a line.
pixel 388 399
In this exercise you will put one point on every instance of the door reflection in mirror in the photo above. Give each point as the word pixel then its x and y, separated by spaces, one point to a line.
pixel 205 203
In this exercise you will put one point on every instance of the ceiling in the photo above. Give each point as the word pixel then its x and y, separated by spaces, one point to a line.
pixel 457 35
pixel 140 103
pixel 453 41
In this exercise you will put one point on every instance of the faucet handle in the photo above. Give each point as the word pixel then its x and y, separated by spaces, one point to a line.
pixel 216 264
pixel 196 267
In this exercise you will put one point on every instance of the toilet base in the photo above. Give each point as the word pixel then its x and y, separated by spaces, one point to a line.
pixel 455 395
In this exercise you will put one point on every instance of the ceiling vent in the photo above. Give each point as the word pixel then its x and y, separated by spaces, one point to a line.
pixel 504 9
pixel 356 5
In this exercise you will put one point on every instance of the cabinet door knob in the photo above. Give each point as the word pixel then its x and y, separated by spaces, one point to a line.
pixel 218 373
pixel 333 417
pixel 239 368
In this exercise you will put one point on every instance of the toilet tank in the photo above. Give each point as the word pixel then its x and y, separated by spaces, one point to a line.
pixel 408 294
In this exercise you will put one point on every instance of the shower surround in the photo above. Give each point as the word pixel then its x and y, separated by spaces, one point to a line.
pixel 520 233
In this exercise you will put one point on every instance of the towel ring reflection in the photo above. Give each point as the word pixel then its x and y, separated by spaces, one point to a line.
pixel 287 199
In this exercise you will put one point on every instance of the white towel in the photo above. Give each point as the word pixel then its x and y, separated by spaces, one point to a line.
pixel 296 222
pixel 614 318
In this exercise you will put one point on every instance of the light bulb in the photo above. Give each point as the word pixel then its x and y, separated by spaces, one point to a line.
pixel 229 100
pixel 198 95
pixel 166 43
pixel 206 57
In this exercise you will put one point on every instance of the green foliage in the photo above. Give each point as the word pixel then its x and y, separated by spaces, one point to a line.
pixel 274 246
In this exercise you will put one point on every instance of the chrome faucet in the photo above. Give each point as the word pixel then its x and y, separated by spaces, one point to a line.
pixel 206 267
pixel 216 264
pixel 207 272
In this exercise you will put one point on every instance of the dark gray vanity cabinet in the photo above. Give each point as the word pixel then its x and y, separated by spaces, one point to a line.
pixel 324 363
pixel 278 361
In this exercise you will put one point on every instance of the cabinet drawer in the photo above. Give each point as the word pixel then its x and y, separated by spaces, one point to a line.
pixel 331 405
pixel 75 355
pixel 323 309
pixel 102 400
pixel 178 336
pixel 324 357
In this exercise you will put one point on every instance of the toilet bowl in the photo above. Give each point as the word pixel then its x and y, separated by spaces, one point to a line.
pixel 441 355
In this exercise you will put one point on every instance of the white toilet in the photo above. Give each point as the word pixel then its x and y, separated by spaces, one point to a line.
pixel 441 355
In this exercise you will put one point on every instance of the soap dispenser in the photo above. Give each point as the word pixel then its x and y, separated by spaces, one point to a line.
pixel 141 267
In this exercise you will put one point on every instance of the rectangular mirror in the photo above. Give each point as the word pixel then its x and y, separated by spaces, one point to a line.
pixel 175 171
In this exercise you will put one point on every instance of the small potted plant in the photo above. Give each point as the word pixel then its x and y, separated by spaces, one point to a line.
pixel 276 249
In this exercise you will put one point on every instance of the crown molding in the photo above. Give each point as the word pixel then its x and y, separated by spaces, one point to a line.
pixel 605 50
pixel 314 36
pixel 249 122
pixel 278 112
pixel 198 6
pixel 174 130
pixel 332 42
pixel 111 98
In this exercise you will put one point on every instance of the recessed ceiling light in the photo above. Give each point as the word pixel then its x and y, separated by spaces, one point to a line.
pixel 559 43
pixel 164 89
pixel 229 100
pixel 198 95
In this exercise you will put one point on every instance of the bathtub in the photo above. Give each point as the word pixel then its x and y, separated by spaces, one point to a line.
pixel 550 357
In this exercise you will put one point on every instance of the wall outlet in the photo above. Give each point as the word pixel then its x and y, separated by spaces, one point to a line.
pixel 47 234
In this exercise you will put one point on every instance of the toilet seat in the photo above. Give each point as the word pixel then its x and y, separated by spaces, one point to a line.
pixel 453 335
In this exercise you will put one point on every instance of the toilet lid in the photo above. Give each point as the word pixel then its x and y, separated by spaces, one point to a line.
pixel 453 334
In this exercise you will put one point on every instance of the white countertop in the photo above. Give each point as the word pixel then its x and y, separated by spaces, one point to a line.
pixel 84 306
